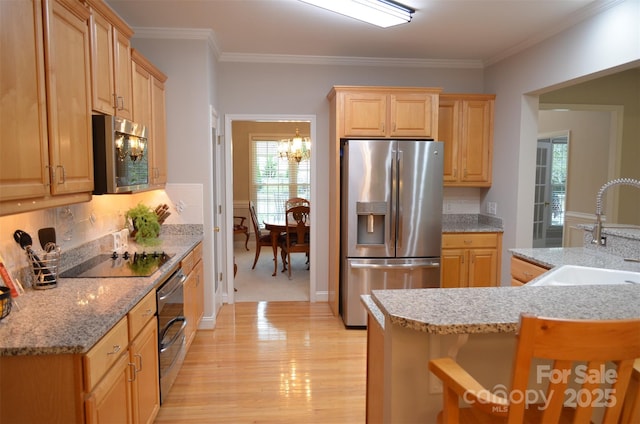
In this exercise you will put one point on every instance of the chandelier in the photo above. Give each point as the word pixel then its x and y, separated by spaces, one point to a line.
pixel 295 149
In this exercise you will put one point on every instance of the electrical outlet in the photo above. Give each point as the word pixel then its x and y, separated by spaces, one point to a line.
pixel 492 208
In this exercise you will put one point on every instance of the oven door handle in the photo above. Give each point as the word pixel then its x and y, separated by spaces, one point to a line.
pixel 174 286
pixel 165 346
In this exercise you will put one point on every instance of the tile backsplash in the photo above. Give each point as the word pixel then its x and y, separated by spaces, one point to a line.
pixel 84 222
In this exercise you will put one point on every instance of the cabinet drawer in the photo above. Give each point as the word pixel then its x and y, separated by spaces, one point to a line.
pixel 191 259
pixel 469 240
pixel 105 353
pixel 525 271
pixel 141 314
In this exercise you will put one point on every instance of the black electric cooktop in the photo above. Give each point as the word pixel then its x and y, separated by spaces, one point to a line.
pixel 119 265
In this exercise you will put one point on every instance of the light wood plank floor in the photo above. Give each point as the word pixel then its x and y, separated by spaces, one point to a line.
pixel 272 362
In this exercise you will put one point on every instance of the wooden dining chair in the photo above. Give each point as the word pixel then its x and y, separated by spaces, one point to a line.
pixel 296 236
pixel 262 239
pixel 240 228
pixel 577 382
pixel 296 201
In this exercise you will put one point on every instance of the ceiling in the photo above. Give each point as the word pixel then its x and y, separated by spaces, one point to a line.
pixel 472 32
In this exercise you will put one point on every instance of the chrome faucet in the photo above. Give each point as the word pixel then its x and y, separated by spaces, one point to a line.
pixel 596 233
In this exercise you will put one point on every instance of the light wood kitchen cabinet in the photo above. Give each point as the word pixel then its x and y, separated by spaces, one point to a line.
pixel 52 164
pixel 149 110
pixel 375 370
pixel 143 358
pixel 110 61
pixel 193 268
pixel 465 125
pixel 387 111
pixel 380 112
pixel 524 271
pixel 471 259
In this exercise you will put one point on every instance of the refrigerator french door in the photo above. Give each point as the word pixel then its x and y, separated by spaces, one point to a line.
pixel 390 219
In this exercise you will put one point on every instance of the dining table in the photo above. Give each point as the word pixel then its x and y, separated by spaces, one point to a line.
pixel 277 227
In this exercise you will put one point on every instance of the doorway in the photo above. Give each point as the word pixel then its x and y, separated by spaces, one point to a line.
pixel 550 191
pixel 230 152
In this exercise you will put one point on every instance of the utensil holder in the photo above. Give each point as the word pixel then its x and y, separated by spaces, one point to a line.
pixel 5 301
pixel 44 269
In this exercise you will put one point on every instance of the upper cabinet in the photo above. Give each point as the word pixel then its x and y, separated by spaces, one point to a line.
pixel 149 110
pixel 46 140
pixel 465 125
pixel 110 61
pixel 386 111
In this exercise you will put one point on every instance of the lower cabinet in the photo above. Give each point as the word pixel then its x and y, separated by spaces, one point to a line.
pixel 471 259
pixel 193 267
pixel 116 381
pixel 524 271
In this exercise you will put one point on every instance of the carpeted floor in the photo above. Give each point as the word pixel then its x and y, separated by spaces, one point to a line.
pixel 253 285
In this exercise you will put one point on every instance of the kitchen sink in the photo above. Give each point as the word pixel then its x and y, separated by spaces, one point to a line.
pixel 574 275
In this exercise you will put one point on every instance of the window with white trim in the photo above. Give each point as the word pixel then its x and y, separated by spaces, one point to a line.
pixel 274 179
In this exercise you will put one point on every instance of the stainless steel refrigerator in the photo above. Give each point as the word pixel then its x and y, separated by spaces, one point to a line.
pixel 390 219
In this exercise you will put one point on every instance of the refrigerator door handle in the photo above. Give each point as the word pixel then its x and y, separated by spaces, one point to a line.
pixel 406 266
pixel 400 195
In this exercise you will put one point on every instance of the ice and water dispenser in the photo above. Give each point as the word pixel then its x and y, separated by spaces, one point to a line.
pixel 372 217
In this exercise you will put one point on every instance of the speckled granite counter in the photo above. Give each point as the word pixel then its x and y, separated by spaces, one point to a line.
pixel 582 256
pixel 72 317
pixel 497 309
pixel 469 223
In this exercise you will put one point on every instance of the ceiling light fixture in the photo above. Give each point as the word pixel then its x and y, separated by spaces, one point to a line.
pixel 295 149
pixel 383 13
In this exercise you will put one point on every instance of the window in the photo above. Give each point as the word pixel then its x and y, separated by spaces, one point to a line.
pixel 274 179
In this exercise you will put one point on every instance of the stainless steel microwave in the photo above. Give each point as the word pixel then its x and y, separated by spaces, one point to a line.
pixel 120 155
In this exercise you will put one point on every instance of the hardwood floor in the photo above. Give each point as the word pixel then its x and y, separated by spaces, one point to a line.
pixel 272 362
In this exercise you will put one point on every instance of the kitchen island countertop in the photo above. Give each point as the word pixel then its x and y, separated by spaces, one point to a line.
pixel 497 309
pixel 72 317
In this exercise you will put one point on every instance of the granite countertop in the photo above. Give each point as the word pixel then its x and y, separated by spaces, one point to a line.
pixel 72 317
pixel 470 223
pixel 497 309
pixel 582 256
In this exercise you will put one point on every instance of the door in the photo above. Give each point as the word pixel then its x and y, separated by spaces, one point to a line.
pixel 550 191
pixel 366 216
pixel 419 199
pixel 364 275
pixel 217 197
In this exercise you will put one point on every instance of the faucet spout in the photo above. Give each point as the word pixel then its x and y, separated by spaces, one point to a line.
pixel 596 233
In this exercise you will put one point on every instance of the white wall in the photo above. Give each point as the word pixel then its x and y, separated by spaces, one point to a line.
pixel 281 89
pixel 189 63
pixel 600 43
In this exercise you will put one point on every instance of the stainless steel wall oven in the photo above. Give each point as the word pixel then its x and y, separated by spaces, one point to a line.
pixel 171 329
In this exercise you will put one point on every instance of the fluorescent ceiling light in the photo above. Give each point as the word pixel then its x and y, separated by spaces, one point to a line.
pixel 383 13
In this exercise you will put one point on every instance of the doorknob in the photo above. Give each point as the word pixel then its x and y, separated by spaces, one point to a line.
pixel 216 229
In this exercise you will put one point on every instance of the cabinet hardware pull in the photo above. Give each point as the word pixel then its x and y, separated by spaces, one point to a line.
pixel 115 100
pixel 468 241
pixel 132 366
pixel 64 174
pixel 116 349
pixel 52 175
pixel 139 356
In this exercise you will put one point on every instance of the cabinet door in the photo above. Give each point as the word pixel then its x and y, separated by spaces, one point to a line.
pixel 483 265
pixel 69 96
pixel 449 134
pixel 453 268
pixel 141 82
pixel 110 400
pixel 158 151
pixel 194 301
pixel 23 113
pixel 412 115
pixel 146 383
pixel 365 114
pixel 477 145
pixel 102 78
pixel 122 74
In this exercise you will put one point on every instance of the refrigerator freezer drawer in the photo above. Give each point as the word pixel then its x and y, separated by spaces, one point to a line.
pixel 360 276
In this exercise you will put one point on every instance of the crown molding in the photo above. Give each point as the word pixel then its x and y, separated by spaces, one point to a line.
pixel 583 14
pixel 350 61
pixel 180 34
